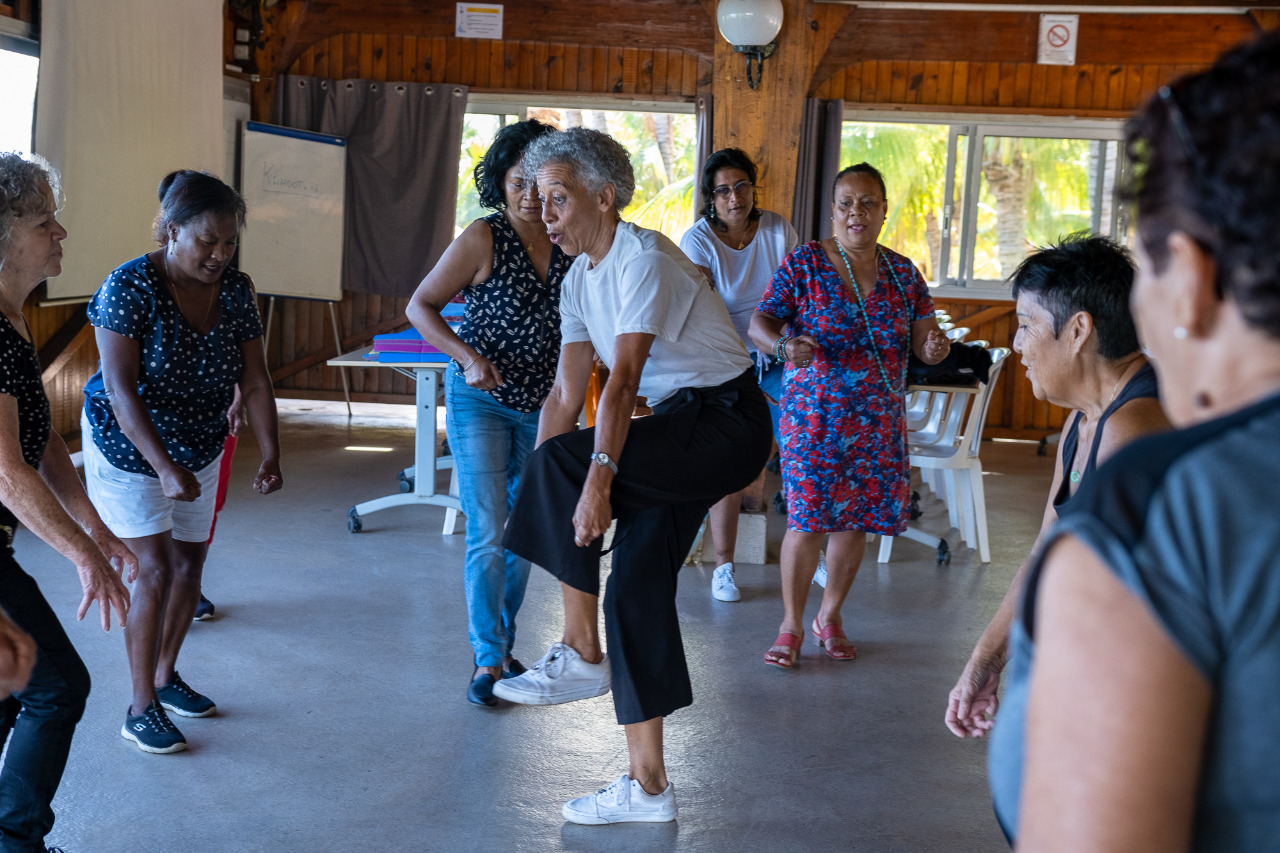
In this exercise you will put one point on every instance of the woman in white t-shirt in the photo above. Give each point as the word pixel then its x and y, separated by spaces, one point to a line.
pixel 637 302
pixel 738 247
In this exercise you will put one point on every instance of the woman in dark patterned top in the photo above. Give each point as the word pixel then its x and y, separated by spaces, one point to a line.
pixel 504 362
pixel 178 330
pixel 40 488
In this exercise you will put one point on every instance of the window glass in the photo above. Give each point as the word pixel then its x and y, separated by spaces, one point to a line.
pixel 913 160
pixel 661 145
pixel 17 96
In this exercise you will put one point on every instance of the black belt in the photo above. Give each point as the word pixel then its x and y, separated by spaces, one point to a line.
pixel 686 404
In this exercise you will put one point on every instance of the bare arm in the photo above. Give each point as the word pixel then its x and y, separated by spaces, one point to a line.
pixel 17 656
pixel 972 705
pixel 929 343
pixel 26 493
pixel 467 261
pixel 121 362
pixel 1116 719
pixel 613 421
pixel 765 330
pixel 260 402
pixel 569 392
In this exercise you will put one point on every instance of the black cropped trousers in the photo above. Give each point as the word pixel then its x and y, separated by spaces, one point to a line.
pixel 697 447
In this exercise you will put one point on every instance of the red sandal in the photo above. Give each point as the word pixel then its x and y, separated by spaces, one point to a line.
pixel 831 632
pixel 787 659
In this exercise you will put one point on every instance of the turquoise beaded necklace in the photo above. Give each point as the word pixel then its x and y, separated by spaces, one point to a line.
pixel 862 308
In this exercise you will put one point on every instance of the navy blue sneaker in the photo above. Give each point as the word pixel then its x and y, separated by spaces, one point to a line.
pixel 152 731
pixel 179 698
pixel 204 609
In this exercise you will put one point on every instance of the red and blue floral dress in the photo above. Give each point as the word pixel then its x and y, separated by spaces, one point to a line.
pixel 845 464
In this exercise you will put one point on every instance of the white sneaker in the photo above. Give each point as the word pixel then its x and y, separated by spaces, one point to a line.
pixel 820 576
pixel 722 585
pixel 622 802
pixel 561 676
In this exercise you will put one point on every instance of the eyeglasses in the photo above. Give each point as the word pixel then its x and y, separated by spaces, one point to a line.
pixel 740 188
pixel 1179 122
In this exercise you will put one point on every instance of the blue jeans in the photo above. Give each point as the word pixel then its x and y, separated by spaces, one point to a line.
pixel 770 378
pixel 47 711
pixel 490 444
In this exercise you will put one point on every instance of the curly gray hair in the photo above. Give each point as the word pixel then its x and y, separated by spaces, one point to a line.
pixel 596 159
pixel 23 179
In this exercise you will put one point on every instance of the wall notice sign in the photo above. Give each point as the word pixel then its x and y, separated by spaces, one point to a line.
pixel 479 21
pixel 1057 45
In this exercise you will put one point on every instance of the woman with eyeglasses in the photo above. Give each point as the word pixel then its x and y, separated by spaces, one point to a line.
pixel 843 313
pixel 738 247
pixel 504 362
pixel 1140 712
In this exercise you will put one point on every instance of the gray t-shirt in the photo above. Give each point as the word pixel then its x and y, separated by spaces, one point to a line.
pixel 1185 522
pixel 741 275
pixel 645 284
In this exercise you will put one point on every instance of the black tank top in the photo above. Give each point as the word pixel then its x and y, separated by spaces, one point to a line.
pixel 1141 384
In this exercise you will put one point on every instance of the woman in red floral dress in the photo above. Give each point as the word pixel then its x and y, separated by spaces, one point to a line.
pixel 842 312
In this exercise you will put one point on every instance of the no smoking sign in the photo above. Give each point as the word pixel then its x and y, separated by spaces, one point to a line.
pixel 1057 44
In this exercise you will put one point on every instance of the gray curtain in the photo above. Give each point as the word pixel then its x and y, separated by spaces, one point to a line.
pixel 402 170
pixel 816 167
pixel 702 148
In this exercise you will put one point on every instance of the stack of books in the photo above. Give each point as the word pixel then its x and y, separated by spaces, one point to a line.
pixel 408 346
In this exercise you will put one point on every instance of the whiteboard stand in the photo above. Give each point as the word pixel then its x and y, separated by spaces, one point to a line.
pixel 337 345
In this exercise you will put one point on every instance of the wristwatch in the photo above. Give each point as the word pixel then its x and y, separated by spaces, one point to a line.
pixel 603 459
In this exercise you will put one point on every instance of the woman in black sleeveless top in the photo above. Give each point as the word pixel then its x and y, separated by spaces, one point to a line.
pixel 504 363
pixel 1079 346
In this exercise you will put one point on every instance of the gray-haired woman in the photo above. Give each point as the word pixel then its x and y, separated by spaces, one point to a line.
pixel 632 298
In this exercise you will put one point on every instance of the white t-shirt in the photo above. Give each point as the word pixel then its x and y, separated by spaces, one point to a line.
pixel 645 284
pixel 741 275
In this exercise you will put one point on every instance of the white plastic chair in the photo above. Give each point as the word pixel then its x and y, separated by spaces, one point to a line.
pixel 959 459
pixel 957 334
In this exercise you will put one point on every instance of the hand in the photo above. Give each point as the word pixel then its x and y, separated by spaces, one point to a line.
pixel 179 484
pixel 591 516
pixel 103 585
pixel 17 656
pixel 936 347
pixel 116 552
pixel 269 478
pixel 971 708
pixel 481 374
pixel 800 350
pixel 235 414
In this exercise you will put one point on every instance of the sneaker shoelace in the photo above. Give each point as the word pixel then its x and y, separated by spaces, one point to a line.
pixel 157 719
pixel 182 687
pixel 617 790
pixel 552 663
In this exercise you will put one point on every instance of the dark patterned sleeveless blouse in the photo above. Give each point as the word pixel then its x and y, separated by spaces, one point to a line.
pixel 512 318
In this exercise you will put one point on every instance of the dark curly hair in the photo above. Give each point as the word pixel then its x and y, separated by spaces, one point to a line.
pixel 1084 273
pixel 861 169
pixel 187 194
pixel 725 158
pixel 1206 155
pixel 506 151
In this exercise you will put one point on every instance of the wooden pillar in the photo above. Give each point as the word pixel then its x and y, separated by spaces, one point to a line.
pixel 765 122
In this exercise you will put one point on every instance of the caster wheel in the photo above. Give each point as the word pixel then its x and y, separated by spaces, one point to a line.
pixel 353 521
pixel 944 553
pixel 406 485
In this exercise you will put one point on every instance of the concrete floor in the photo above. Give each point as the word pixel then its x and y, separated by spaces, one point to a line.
pixel 339 664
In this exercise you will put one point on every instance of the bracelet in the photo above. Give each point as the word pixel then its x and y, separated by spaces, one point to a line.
pixel 780 348
pixel 469 363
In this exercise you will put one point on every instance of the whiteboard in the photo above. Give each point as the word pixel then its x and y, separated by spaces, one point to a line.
pixel 293 183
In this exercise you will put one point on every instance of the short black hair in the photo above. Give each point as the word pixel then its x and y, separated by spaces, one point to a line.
pixel 1087 273
pixel 1206 162
pixel 506 151
pixel 861 169
pixel 725 158
pixel 187 194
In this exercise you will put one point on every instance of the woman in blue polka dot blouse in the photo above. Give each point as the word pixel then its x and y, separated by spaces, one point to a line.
pixel 178 330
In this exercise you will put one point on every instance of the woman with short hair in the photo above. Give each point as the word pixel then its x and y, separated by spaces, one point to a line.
pixel 178 330
pixel 40 488
pixel 633 299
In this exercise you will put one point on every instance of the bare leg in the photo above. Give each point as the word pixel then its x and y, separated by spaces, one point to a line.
pixel 844 557
pixel 724 526
pixel 149 601
pixel 187 561
pixel 753 495
pixel 581 624
pixel 644 747
pixel 799 562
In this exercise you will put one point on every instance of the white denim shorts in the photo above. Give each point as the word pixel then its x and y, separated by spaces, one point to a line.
pixel 134 505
